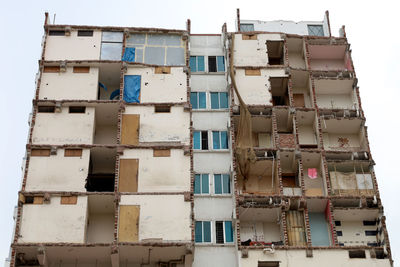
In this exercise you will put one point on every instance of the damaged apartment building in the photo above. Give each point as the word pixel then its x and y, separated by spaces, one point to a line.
pixel 163 148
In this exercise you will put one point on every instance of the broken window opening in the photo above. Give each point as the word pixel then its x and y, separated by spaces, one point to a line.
pixel 200 140
pixel 275 52
pixel 101 173
pixel 279 91
pixel 357 254
pixel 219 232
pixel 162 109
pixel 72 109
pixel 216 64
pixel 56 32
pixel 85 33
pixel 46 109
pixel 268 264
pixel 201 184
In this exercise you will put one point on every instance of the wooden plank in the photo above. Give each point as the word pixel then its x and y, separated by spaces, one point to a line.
pixel 130 129
pixel 128 175
pixel 51 69
pixel 252 72
pixel 73 152
pixel 38 200
pixel 128 226
pixel 162 70
pixel 161 152
pixel 314 192
pixel 82 69
pixel 249 36
pixel 40 152
pixel 69 200
pixel 298 100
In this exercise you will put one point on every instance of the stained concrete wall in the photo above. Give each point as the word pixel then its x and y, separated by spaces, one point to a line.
pixel 161 88
pixel 64 128
pixel 215 256
pixel 354 233
pixel 100 228
pixel 255 89
pixel 330 258
pixel 54 222
pixel 331 141
pixel 58 173
pixel 344 101
pixel 69 85
pixel 162 127
pixel 162 216
pixel 73 47
pixel 252 52
pixel 161 174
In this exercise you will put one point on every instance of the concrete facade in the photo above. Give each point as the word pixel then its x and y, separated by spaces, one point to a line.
pixel 164 148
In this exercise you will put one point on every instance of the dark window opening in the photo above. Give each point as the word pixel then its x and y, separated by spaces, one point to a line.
pixel 29 199
pixel 212 64
pixel 371 233
pixel 279 91
pixel 77 109
pixel 103 182
pixel 162 109
pixel 380 254
pixel 57 33
pixel 219 232
pixel 339 233
pixel 268 264
pixel 369 223
pixel 275 52
pixel 338 223
pixel 85 33
pixel 289 180
pixel 46 109
pixel 357 254
pixel 204 140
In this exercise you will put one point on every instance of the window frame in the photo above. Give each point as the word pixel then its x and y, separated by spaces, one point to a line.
pixel 196 62
pixel 202 175
pixel 201 140
pixel 246 25
pixel 220 140
pixel 202 233
pixel 217 66
pixel 222 175
pixel 198 100
pixel 213 232
pixel 219 100
pixel 313 31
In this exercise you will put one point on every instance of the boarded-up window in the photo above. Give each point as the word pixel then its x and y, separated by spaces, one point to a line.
pixel 38 200
pixel 295 228
pixel 51 69
pixel 162 70
pixel 130 129
pixel 252 72
pixel 128 175
pixel 81 69
pixel 249 36
pixel 128 227
pixel 161 152
pixel 40 152
pixel 69 200
pixel 72 152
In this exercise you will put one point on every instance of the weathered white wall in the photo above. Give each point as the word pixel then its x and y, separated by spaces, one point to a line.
pixel 354 233
pixel 215 256
pixel 290 27
pixel 73 47
pixel 254 90
pixel 216 121
pixel 58 173
pixel 206 45
pixel 215 208
pixel 208 162
pixel 344 101
pixel 252 52
pixel 162 127
pixel 161 174
pixel 260 231
pixel 306 93
pixel 330 258
pixel 100 228
pixel 162 216
pixel 64 127
pixel 69 85
pixel 161 88
pixel 54 222
pixel 203 83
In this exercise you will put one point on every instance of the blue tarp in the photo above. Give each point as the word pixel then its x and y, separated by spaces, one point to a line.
pixel 129 54
pixel 115 95
pixel 132 88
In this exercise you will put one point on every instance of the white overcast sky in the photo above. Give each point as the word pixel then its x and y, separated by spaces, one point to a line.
pixel 372 29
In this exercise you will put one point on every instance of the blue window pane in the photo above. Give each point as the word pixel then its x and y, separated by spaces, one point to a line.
pixel 196 140
pixel 214 101
pixel 197 184
pixel 217 183
pixel 223 100
pixel 205 184
pixel 226 184
pixel 220 63
pixel 216 144
pixel 228 231
pixel 129 54
pixel 192 64
pixel 198 233
pixel 202 100
pixel 193 100
pixel 200 63
pixel 224 140
pixel 207 231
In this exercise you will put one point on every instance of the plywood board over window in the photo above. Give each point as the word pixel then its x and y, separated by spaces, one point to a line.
pixel 161 152
pixel 252 72
pixel 128 227
pixel 162 70
pixel 72 152
pixel 81 69
pixel 40 152
pixel 128 175
pixel 51 69
pixel 249 36
pixel 69 200
pixel 130 129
